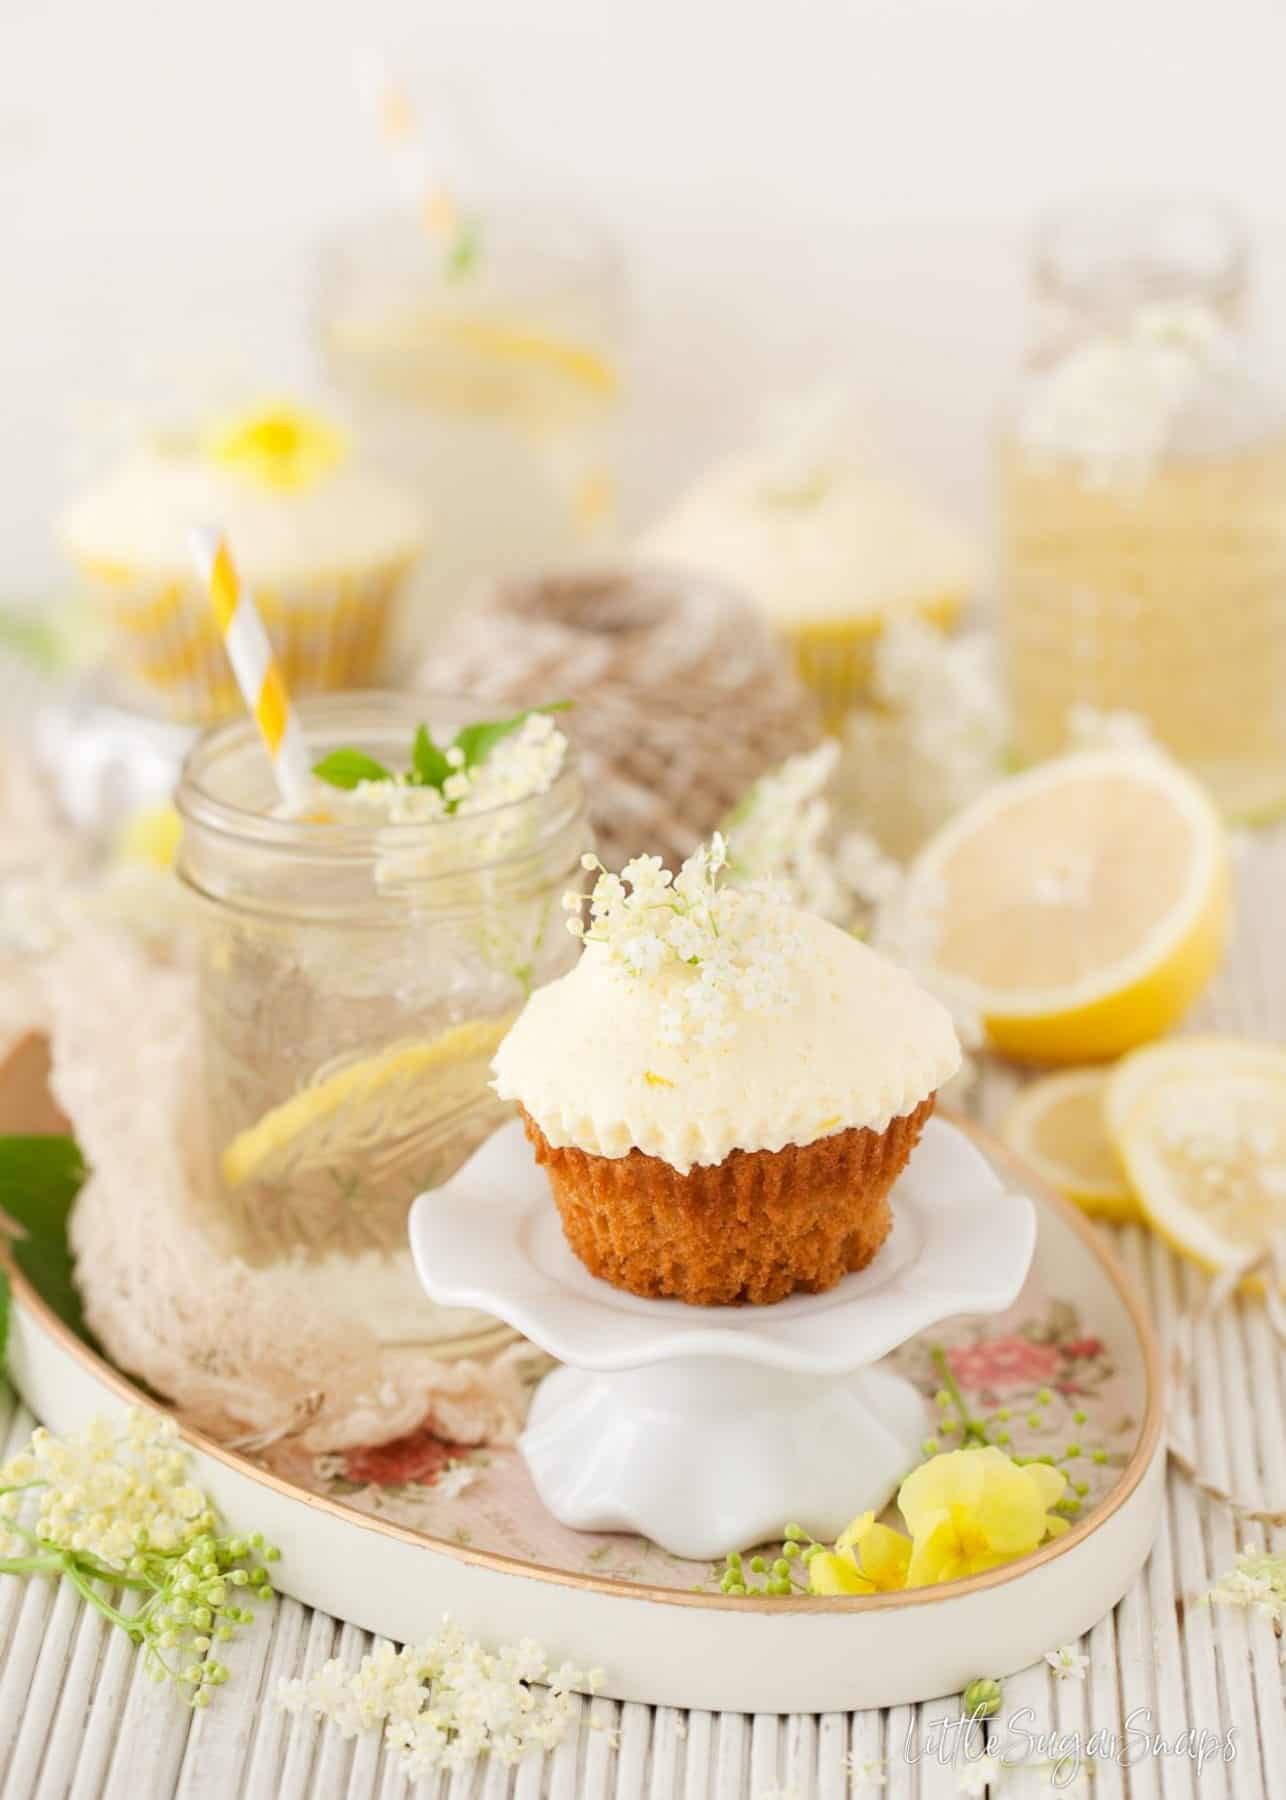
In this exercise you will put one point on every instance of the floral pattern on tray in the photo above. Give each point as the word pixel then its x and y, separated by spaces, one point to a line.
pixel 1041 1381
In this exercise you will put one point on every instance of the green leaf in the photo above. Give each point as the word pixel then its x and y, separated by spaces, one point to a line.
pixel 478 741
pixel 4 1319
pixel 345 768
pixel 39 1179
pixel 430 764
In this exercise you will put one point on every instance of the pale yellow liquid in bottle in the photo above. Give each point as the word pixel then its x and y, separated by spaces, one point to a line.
pixel 1164 596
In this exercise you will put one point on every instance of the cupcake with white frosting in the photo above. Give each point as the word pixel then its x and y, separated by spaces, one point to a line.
pixel 724 1089
pixel 322 544
pixel 828 550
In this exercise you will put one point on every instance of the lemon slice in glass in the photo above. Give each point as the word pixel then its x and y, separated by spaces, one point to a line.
pixel 1057 1126
pixel 1081 906
pixel 1200 1128
pixel 405 1090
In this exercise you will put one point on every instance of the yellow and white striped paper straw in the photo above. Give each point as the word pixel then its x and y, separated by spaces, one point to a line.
pixel 254 665
pixel 396 119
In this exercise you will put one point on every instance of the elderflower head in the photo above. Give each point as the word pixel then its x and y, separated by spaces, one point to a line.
pixel 447 1701
pixel 784 830
pixel 114 1502
pixel 933 738
pixel 727 947
pixel 1067 1662
pixel 1258 1580
pixel 104 1491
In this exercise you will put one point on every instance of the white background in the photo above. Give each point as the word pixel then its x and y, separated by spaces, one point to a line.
pixel 801 185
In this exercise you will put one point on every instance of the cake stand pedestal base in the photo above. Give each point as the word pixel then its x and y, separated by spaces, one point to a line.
pixel 627 1451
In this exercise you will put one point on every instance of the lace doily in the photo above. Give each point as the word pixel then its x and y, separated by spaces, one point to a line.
pixel 683 696
pixel 245 1353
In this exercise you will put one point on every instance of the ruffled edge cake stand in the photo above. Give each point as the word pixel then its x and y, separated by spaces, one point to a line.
pixel 706 1428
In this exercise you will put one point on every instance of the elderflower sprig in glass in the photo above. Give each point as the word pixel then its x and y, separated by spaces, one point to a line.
pixel 113 1508
pixel 360 961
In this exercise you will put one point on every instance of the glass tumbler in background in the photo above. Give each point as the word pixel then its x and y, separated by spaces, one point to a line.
pixel 1142 498
pixel 483 367
pixel 354 982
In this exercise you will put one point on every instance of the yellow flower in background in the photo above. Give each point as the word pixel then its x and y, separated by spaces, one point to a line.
pixel 971 1510
pixel 279 446
pixel 867 1559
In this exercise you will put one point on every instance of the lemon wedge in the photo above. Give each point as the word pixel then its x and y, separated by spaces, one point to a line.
pixel 1080 907
pixel 379 1100
pixel 1057 1126
pixel 1200 1128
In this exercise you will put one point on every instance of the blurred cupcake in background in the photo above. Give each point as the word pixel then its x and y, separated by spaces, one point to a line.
pixel 829 551
pixel 323 544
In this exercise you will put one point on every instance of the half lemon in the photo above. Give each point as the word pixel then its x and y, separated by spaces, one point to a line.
pixel 1080 907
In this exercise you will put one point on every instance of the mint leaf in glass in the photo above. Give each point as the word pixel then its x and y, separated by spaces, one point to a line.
pixel 429 765
pixel 346 768
pixel 478 741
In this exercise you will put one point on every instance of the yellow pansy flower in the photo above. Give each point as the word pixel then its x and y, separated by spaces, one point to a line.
pixel 867 1559
pixel 971 1510
pixel 279 446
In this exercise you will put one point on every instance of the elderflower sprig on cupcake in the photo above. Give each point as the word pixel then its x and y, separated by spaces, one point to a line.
pixel 488 764
pixel 113 1505
pixel 718 946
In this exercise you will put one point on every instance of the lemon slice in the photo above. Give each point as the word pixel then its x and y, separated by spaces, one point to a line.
pixel 405 1090
pixel 1079 907
pixel 1200 1128
pixel 1057 1126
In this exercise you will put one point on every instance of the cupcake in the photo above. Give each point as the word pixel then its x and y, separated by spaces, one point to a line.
pixel 724 1089
pixel 828 551
pixel 322 545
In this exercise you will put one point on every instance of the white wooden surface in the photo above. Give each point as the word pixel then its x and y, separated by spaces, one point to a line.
pixel 78 1718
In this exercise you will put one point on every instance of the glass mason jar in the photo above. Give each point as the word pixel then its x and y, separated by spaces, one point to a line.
pixel 1142 498
pixel 483 366
pixel 354 982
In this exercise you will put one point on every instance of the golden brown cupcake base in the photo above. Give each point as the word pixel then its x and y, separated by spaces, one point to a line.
pixel 755 1227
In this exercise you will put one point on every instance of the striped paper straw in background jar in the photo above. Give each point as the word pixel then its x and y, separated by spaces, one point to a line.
pixel 254 665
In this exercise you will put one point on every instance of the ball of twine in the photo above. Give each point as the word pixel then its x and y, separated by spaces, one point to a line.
pixel 683 697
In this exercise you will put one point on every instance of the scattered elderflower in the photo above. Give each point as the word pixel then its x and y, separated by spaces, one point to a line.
pixel 865 1772
pixel 444 1702
pixel 784 831
pixel 715 945
pixel 1258 1580
pixel 113 1504
pixel 1067 1662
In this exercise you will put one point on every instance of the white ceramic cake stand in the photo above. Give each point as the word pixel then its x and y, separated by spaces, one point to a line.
pixel 706 1429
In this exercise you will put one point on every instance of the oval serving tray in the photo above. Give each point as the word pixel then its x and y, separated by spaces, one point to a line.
pixel 658 1639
